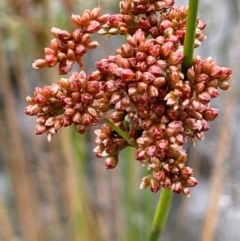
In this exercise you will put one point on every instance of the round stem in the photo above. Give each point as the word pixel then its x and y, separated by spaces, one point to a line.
pixel 122 133
pixel 164 202
pixel 189 40
pixel 161 214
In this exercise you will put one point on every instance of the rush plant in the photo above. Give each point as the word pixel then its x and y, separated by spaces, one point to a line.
pixel 152 94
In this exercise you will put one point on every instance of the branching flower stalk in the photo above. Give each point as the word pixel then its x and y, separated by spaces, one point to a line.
pixel 148 95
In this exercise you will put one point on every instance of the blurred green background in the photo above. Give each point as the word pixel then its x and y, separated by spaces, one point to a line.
pixel 59 191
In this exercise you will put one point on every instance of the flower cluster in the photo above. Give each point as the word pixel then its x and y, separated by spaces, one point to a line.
pixel 72 101
pixel 67 48
pixel 141 92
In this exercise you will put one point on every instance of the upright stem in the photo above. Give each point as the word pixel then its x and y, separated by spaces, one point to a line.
pixel 189 40
pixel 164 202
pixel 161 214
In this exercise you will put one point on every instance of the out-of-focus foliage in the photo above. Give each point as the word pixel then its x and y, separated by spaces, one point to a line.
pixel 59 191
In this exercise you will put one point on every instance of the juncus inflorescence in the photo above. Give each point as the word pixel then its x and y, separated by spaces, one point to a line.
pixel 142 89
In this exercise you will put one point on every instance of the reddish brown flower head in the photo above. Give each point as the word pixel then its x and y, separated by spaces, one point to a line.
pixel 141 89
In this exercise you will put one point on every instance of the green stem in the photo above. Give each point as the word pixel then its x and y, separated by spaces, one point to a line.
pixel 190 34
pixel 122 133
pixel 164 202
pixel 161 214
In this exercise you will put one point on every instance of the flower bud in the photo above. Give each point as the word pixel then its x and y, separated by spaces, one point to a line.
pixel 201 25
pixel 139 36
pixel 140 154
pixel 54 44
pixel 213 92
pixel 131 41
pixel 49 51
pixel 190 182
pixel 92 44
pixel 186 191
pixel 117 116
pixel 156 70
pixel 87 119
pixel 65 66
pixel 193 124
pixel 150 60
pixel 64 83
pixel 77 35
pixel 32 109
pixel 58 124
pixel 142 87
pixel 186 172
pixel 95 13
pixel 80 128
pixel 215 71
pixel 144 46
pixel 41 120
pixel 64 35
pixel 159 175
pixel 145 182
pixel 164 25
pixel 92 87
pixel 40 129
pixel 159 82
pixel 77 118
pixel 67 120
pixel 175 58
pixel 127 75
pixel 152 91
pixel 86 98
pixel 143 23
pixel 39 64
pixel 147 77
pixel 225 75
pixel 116 97
pixel 76 20
pixel 154 185
pixel 151 150
pixel 126 51
pixel 199 87
pixel 121 62
pixel 176 187
pixel 69 111
pixel 51 60
pixel 92 27
pixel 95 75
pixel 138 75
pixel 204 97
pixel 154 50
pixel 140 56
pixel 111 162
pixel 144 141
pixel 166 49
pixel 210 114
pixel 85 18
pixel 103 19
pixel 223 85
pixel 191 74
pixel 50 121
pixel 80 49
pixel 152 17
pixel 85 39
